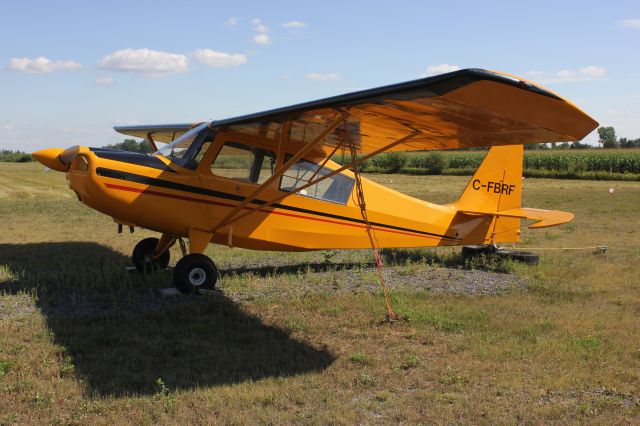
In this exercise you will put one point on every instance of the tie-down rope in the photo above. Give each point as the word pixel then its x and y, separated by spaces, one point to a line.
pixel 391 315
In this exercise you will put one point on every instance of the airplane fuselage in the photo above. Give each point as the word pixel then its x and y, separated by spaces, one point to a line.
pixel 151 193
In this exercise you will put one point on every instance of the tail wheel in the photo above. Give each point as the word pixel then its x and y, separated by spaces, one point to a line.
pixel 143 254
pixel 520 256
pixel 195 271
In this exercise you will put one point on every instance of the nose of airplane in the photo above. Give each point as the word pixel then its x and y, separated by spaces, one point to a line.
pixel 56 158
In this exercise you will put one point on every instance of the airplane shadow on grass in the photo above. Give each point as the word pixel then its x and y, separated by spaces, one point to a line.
pixel 121 337
pixel 391 257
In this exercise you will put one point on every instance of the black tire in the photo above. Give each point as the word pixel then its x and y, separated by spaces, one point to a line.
pixel 143 253
pixel 476 250
pixel 195 272
pixel 519 256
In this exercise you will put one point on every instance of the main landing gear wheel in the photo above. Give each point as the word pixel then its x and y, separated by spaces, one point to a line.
pixel 195 271
pixel 143 254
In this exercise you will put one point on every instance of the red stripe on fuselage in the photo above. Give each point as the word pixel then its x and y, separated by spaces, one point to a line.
pixel 217 203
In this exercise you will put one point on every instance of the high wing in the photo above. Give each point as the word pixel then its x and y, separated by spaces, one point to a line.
pixel 461 109
pixel 165 133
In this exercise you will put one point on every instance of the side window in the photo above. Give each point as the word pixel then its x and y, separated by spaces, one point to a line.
pixel 244 163
pixel 336 188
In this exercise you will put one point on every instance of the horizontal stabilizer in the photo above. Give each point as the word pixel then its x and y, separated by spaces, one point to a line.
pixel 165 133
pixel 543 218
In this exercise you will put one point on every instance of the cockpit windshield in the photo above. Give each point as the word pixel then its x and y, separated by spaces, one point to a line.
pixel 177 149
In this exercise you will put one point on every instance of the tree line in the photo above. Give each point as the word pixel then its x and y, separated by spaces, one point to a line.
pixel 132 145
pixel 9 156
pixel 607 138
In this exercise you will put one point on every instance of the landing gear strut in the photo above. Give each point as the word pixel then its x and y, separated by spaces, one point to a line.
pixel 193 272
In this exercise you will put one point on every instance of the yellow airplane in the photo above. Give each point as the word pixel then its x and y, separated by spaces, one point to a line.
pixel 266 181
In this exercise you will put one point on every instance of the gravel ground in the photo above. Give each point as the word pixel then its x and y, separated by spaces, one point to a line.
pixel 417 278
pixel 276 279
pixel 16 306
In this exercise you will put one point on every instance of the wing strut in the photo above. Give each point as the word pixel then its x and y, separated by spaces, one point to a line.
pixel 293 160
pixel 151 142
pixel 353 164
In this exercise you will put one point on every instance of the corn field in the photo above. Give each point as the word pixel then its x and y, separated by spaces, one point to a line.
pixel 551 163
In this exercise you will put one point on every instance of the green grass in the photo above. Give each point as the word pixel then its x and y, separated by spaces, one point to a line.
pixel 84 341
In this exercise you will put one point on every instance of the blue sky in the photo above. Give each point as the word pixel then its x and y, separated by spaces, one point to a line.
pixel 70 70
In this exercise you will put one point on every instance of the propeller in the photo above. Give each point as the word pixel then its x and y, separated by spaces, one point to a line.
pixel 67 156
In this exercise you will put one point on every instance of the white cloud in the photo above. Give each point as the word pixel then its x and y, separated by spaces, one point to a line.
pixel 258 26
pixel 217 59
pixel 145 62
pixel 324 77
pixel 294 24
pixel 105 81
pixel 564 74
pixel 41 65
pixel 629 23
pixel 611 112
pixel 592 71
pixel 440 69
pixel 232 22
pixel 262 39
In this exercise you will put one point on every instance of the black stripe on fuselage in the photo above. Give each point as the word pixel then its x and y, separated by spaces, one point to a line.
pixel 132 158
pixel 146 180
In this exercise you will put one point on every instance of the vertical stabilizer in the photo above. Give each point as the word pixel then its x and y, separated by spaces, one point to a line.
pixel 497 184
pixel 495 187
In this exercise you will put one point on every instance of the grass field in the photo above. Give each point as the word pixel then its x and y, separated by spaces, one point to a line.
pixel 83 341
